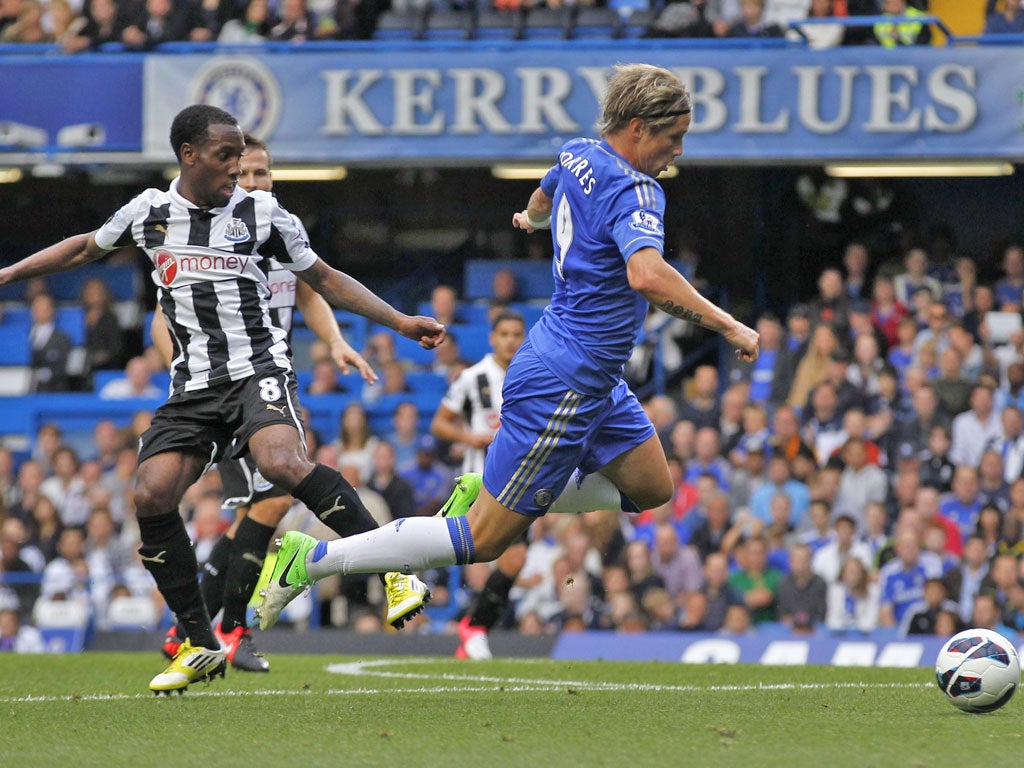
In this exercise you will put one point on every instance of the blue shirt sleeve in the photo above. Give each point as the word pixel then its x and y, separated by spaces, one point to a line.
pixel 639 213
pixel 550 181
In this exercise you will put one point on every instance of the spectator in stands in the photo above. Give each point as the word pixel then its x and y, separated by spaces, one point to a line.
pixel 66 489
pixel 1009 289
pixel 992 488
pixel 700 404
pixel 204 20
pixel 104 342
pixel 936 468
pixel 356 443
pixel 886 310
pixel 902 580
pixel 50 348
pixel 19 557
pixel 1011 445
pixel 860 484
pixel 974 429
pixel 710 532
pixel 1011 392
pixel 831 306
pixel 136 383
pixel 758 582
pixel 988 614
pixel 253 27
pixel 853 599
pixel 28 26
pixel 206 525
pixel 862 374
pixel 504 289
pixel 385 480
pixel 892 34
pixel 63 20
pixel 802 593
pixel 823 428
pixel 1009 21
pixel 828 561
pixel 444 304
pixel 936 334
pixel 719 594
pixel 761 374
pixel 990 527
pixel 18 637
pixel 404 435
pixel 295 22
pixel 922 617
pixel 915 277
pixel 753 24
pixel 430 482
pixel 730 420
pixel 45 528
pixel 780 481
pixel 964 582
pixel 325 379
pixel 813 367
pixel 66 577
pixel 642 576
pixel 105 23
pixel 983 302
pixel 679 566
pixel 161 21
pixel 707 459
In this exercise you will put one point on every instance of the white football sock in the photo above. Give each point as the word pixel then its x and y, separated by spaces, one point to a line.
pixel 408 545
pixel 595 492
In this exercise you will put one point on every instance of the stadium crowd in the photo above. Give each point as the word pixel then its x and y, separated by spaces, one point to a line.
pixel 138 25
pixel 865 472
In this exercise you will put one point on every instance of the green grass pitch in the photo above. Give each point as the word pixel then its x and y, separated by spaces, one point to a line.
pixel 94 709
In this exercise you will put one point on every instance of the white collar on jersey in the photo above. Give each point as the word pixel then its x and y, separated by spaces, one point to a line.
pixel 178 199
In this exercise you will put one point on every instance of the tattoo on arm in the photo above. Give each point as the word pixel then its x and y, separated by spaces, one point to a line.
pixel 681 312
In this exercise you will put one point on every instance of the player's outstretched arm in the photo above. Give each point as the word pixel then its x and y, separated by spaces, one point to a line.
pixel 67 254
pixel 658 282
pixel 321 320
pixel 536 215
pixel 345 292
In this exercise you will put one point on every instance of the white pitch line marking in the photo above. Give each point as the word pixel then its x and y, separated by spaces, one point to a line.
pixel 481 684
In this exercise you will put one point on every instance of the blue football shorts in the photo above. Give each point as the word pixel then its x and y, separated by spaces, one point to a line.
pixel 548 430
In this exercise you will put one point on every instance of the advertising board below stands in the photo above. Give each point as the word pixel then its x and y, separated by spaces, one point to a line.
pixel 518 102
pixel 879 649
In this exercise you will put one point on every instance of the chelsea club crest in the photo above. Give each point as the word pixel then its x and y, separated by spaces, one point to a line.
pixel 243 86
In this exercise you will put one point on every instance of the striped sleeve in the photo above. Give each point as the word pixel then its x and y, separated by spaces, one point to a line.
pixel 116 232
pixel 287 241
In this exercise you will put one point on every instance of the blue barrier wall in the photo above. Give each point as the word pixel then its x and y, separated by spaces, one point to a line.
pixel 520 100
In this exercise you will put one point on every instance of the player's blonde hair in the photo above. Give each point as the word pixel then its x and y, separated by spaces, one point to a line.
pixel 646 91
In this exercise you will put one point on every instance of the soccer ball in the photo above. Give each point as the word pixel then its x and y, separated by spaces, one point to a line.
pixel 978 670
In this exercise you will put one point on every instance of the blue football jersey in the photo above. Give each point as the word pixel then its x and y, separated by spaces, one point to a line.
pixel 603 212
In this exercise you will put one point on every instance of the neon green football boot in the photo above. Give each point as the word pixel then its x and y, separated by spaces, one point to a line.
pixel 288 580
pixel 467 488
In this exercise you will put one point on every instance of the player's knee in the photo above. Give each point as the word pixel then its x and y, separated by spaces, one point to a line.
pixel 282 466
pixel 146 499
pixel 655 494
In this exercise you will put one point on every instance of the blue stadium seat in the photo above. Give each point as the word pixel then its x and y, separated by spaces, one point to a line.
pixel 473 341
pixel 469 312
pixel 15 349
pixel 71 320
pixel 596 22
pixel 543 23
pixel 499 25
pixel 400 25
pixel 535 280
pixel 426 383
pixel 444 24
pixel 411 351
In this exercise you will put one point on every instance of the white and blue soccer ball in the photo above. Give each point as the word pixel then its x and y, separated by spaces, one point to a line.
pixel 978 670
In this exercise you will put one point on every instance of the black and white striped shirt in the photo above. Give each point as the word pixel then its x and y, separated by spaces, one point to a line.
pixel 211 269
pixel 476 396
